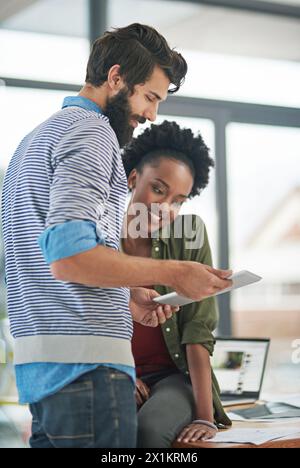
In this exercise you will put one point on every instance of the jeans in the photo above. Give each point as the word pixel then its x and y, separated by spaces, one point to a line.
pixel 170 407
pixel 98 410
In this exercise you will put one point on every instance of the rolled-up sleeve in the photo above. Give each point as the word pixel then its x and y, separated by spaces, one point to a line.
pixel 68 239
pixel 82 170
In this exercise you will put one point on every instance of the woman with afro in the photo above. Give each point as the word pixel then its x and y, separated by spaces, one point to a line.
pixel 177 394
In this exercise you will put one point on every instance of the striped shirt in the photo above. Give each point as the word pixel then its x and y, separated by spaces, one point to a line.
pixel 67 169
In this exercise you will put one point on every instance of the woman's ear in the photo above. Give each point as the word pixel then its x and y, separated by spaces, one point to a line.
pixel 132 180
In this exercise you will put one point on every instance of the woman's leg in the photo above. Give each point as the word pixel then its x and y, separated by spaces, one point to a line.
pixel 169 409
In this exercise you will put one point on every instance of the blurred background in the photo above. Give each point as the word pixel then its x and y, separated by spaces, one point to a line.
pixel 242 93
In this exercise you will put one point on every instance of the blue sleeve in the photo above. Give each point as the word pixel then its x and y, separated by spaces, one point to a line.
pixel 69 238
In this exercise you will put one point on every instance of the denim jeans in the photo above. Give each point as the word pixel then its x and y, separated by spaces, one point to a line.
pixel 98 410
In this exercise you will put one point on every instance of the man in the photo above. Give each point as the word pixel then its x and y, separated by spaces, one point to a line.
pixel 69 296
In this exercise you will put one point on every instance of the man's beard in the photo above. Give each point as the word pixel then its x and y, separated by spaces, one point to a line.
pixel 119 113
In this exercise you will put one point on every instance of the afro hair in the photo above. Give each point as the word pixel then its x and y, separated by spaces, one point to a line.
pixel 171 141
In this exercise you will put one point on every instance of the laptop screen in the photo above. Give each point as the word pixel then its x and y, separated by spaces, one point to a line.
pixel 239 365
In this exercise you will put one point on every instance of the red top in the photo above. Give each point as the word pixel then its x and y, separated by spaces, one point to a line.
pixel 149 350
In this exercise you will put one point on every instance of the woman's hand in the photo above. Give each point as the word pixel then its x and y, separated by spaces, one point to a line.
pixel 142 392
pixel 194 432
pixel 147 312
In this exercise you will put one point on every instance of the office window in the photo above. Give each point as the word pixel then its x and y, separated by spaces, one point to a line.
pixel 264 217
pixel 21 110
pixel 44 40
pixel 232 54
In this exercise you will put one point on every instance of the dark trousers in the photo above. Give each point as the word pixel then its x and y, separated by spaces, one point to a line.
pixel 169 409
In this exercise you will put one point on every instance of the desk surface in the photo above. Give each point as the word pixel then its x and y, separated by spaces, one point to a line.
pixel 286 442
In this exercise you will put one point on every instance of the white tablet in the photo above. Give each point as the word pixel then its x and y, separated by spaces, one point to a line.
pixel 239 279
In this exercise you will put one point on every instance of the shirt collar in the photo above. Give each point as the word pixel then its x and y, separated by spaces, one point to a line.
pixel 162 235
pixel 163 239
pixel 81 101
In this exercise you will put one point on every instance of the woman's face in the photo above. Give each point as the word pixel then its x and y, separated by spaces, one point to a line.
pixel 159 190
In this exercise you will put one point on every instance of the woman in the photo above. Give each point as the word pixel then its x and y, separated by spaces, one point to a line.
pixel 176 391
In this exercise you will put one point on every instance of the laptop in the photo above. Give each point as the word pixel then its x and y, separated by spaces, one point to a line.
pixel 239 366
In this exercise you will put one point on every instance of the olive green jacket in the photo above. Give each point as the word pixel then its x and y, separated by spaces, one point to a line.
pixel 194 323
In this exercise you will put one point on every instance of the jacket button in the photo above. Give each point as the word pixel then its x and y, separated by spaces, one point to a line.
pixel 176 356
pixel 168 330
pixel 156 249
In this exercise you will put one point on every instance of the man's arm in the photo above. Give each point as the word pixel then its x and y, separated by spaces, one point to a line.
pixel 108 268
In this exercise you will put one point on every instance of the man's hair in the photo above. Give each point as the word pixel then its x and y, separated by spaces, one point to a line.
pixel 168 140
pixel 137 49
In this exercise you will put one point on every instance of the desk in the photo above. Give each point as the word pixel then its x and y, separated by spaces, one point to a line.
pixel 282 443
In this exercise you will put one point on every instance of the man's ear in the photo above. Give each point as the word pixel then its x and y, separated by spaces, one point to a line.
pixel 114 79
pixel 132 179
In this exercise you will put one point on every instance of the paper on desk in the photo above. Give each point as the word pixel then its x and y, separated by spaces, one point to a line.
pixel 245 435
pixel 237 417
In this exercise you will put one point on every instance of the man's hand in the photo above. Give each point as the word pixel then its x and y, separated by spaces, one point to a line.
pixel 198 281
pixel 147 312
